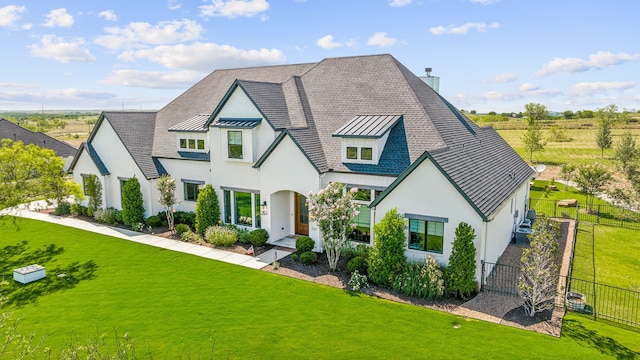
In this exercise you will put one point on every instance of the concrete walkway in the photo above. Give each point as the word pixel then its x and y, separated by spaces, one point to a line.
pixel 254 262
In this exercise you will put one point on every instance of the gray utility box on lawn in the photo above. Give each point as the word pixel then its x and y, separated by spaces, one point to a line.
pixel 29 273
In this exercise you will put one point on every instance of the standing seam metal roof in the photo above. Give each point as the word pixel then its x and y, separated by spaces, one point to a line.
pixel 369 126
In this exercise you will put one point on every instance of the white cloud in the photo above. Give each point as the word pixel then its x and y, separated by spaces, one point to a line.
pixel 327 42
pixel 174 5
pixel 529 87
pixel 484 2
pixel 506 77
pixel 27 26
pixel 56 48
pixel 381 39
pixel 153 79
pixel 463 29
pixel 108 15
pixel 591 88
pixel 399 3
pixel 598 60
pixel 234 8
pixel 59 18
pixel 205 56
pixel 137 34
pixel 10 14
pixel 17 85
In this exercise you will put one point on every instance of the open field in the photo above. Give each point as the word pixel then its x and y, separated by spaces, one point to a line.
pixel 173 304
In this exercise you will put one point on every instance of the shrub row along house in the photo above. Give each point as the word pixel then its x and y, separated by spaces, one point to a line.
pixel 265 137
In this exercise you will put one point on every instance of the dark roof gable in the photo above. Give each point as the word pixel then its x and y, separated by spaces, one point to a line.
pixel 9 130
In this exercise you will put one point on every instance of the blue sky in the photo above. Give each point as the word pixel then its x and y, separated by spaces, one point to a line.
pixel 490 55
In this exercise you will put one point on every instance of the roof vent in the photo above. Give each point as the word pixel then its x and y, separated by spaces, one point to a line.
pixel 428 71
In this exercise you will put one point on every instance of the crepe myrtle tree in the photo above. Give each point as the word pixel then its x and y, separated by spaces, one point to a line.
pixel 333 209
pixel 540 269
pixel 167 188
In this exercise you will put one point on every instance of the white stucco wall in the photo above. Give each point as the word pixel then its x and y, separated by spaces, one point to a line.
pixel 186 170
pixel 286 171
pixel 427 192
pixel 86 166
pixel 119 162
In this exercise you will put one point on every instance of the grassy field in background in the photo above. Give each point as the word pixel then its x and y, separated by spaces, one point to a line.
pixel 173 304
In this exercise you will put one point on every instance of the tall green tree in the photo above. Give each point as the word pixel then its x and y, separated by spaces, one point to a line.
pixel 591 180
pixel 533 140
pixel 627 152
pixel 535 112
pixel 207 209
pixel 603 136
pixel 386 258
pixel 167 188
pixel 132 203
pixel 461 272
pixel 94 192
pixel 30 172
pixel 566 173
pixel 608 113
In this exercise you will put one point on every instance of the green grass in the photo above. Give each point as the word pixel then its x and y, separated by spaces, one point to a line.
pixel 172 304
pixel 579 151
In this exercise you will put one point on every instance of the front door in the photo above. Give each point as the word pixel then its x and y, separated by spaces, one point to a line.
pixel 301 215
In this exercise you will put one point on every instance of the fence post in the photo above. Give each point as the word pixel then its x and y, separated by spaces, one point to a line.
pixel 555 207
pixel 482 275
pixel 598 217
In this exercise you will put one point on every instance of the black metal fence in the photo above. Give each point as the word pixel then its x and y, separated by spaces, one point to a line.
pixel 605 214
pixel 599 300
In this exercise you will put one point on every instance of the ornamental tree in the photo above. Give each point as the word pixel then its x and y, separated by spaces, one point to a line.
pixel 461 273
pixel 132 203
pixel 591 180
pixel 333 210
pixel 167 187
pixel 94 192
pixel 540 270
pixel 207 209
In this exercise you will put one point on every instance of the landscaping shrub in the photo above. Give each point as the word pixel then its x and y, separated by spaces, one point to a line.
pixel 108 216
pixel 185 217
pixel 190 236
pixel 304 244
pixel 63 208
pixel 243 235
pixel 207 209
pixel 153 221
pixel 424 280
pixel 78 210
pixel 359 264
pixel 94 192
pixel 358 281
pixel 386 258
pixel 220 236
pixel 258 237
pixel 461 273
pixel 308 258
pixel 132 203
pixel 182 228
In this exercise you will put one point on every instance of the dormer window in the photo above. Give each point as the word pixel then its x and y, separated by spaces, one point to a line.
pixel 234 142
pixel 191 135
pixel 364 137
pixel 240 137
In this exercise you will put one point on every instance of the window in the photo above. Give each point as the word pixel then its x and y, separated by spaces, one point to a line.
pixel 183 143
pixel 426 235
pixel 242 205
pixel 257 210
pixel 200 144
pixel 192 143
pixel 352 152
pixel 122 182
pixel 366 153
pixel 191 191
pixel 241 208
pixel 362 195
pixel 234 140
pixel 227 206
pixel 362 221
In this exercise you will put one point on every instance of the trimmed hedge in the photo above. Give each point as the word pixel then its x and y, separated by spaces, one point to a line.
pixel 304 244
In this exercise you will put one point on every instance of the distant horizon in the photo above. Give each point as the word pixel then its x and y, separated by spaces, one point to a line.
pixel 490 55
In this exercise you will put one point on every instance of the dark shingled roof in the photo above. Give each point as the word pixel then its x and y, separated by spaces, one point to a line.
pixel 312 102
pixel 9 130
pixel 135 130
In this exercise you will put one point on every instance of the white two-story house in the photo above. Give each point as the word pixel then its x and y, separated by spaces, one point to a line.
pixel 265 137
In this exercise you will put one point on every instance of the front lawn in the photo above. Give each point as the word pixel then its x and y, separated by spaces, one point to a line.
pixel 174 304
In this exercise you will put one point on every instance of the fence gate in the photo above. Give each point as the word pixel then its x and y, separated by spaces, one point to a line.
pixel 500 278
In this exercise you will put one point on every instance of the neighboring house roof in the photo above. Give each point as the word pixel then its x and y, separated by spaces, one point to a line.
pixel 93 155
pixel 9 130
pixel 136 132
